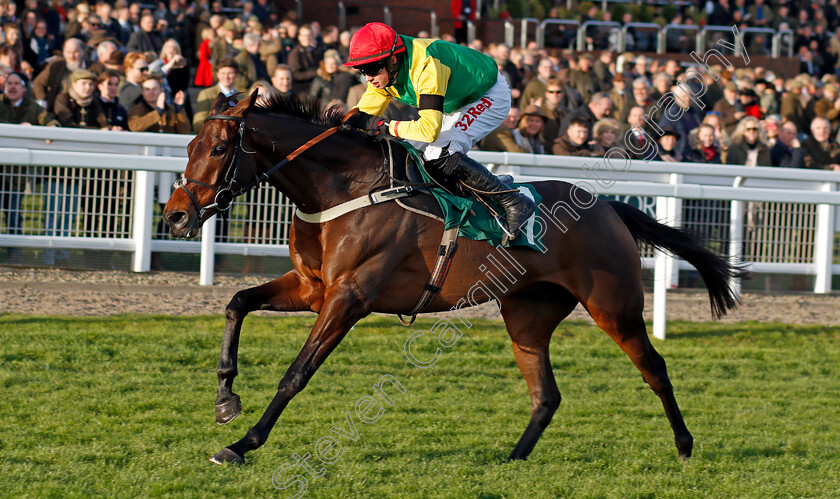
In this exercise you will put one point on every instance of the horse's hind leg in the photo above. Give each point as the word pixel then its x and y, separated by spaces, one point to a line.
pixel 626 326
pixel 531 316
pixel 283 294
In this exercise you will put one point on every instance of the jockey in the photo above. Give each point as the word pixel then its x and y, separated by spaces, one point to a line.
pixel 460 95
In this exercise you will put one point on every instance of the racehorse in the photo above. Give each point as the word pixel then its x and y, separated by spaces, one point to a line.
pixel 378 259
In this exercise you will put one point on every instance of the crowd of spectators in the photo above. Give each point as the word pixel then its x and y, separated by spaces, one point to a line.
pixel 740 116
pixel 126 66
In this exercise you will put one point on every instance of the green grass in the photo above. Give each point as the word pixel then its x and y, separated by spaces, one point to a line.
pixel 124 407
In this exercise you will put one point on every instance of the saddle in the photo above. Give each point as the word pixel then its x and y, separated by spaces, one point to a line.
pixel 403 167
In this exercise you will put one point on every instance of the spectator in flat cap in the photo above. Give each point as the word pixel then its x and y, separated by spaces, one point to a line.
pixel 79 107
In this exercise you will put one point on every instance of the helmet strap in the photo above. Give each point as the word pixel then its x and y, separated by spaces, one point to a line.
pixel 393 67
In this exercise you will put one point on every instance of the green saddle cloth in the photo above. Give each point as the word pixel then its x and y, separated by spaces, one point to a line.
pixel 476 222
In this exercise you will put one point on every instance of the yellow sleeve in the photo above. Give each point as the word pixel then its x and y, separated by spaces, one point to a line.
pixel 430 79
pixel 374 101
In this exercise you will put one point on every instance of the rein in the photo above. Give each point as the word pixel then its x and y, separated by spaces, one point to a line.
pixel 225 194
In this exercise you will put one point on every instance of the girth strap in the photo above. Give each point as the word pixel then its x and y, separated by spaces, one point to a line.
pixel 354 204
pixel 446 251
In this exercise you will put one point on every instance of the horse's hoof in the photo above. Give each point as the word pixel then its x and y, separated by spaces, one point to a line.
pixel 227 456
pixel 228 410
pixel 684 447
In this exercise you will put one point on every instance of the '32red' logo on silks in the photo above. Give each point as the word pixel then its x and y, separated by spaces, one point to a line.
pixel 472 113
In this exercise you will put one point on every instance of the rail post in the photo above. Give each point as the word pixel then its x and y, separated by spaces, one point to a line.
pixel 660 277
pixel 386 14
pixel 144 192
pixel 208 252
pixel 523 36
pixel 824 242
pixel 435 29
pixel 736 235
pixel 509 33
pixel 776 50
pixel 672 269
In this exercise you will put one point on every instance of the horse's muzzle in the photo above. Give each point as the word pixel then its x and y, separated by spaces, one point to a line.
pixel 179 224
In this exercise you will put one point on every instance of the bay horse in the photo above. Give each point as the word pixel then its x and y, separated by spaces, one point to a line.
pixel 378 259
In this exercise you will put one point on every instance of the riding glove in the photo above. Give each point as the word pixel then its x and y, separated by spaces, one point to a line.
pixel 373 126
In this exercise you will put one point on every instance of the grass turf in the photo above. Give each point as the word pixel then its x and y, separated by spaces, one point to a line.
pixel 124 407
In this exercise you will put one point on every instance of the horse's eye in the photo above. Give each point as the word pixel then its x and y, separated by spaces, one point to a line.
pixel 219 150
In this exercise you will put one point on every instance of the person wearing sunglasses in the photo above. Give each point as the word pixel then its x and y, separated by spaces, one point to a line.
pixel 749 144
pixel 135 66
pixel 460 95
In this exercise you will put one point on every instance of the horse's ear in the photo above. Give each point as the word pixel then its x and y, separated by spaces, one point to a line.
pixel 253 99
pixel 221 104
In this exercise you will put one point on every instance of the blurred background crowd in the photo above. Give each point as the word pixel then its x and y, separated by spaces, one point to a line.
pixel 119 65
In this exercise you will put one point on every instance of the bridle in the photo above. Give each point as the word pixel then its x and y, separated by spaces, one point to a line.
pixel 225 194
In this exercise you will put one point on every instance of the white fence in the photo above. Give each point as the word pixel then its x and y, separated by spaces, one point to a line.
pixel 778 220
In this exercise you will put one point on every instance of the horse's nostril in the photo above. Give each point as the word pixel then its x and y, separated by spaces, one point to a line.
pixel 177 219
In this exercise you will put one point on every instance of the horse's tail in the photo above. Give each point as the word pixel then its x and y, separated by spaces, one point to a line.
pixel 716 271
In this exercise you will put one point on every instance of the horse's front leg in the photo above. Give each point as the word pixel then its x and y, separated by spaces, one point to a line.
pixel 343 306
pixel 286 294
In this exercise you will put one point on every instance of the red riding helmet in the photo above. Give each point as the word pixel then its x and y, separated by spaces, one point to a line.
pixel 374 42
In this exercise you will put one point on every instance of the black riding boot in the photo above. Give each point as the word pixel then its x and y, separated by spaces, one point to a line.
pixel 518 207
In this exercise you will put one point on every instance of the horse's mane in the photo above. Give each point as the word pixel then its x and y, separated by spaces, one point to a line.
pixel 303 108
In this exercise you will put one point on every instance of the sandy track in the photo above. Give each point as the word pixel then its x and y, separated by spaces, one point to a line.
pixel 102 293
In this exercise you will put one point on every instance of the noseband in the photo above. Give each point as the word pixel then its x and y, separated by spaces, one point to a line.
pixel 225 194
